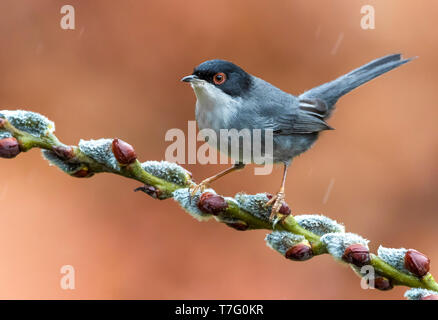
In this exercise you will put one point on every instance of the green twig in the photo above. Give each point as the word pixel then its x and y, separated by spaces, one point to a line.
pixel 74 161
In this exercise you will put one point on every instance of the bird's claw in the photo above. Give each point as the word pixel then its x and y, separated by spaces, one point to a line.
pixel 198 187
pixel 276 202
pixel 278 218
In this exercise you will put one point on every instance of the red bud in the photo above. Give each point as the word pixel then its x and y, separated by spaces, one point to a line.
pixel 212 203
pixel 417 263
pixel 82 173
pixel 299 252
pixel 238 225
pixel 124 152
pixel 382 283
pixel 357 254
pixel 150 190
pixel 9 148
pixel 284 209
pixel 64 152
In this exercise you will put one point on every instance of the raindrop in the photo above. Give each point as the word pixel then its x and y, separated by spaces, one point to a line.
pixel 329 189
pixel 338 43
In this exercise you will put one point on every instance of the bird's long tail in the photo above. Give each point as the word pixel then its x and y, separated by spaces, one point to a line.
pixel 330 92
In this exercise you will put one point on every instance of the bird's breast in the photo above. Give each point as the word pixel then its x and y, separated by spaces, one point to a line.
pixel 214 116
pixel 209 116
pixel 214 108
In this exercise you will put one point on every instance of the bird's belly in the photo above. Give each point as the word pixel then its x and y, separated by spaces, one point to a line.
pixel 221 134
pixel 289 146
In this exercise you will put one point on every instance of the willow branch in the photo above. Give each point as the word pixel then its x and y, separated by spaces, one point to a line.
pixel 298 237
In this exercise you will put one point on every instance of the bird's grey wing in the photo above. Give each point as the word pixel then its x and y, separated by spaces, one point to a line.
pixel 305 117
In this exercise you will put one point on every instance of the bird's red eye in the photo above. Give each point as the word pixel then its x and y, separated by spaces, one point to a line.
pixel 219 78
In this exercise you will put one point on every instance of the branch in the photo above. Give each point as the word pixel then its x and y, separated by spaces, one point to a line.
pixel 298 238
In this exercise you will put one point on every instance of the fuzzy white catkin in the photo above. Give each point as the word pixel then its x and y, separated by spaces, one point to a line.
pixel 393 257
pixel 190 203
pixel 168 171
pixel 54 160
pixel 101 151
pixel 319 224
pixel 417 293
pixel 30 122
pixel 254 204
pixel 336 243
pixel 5 134
pixel 282 241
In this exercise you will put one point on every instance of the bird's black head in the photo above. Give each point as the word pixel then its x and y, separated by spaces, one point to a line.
pixel 225 75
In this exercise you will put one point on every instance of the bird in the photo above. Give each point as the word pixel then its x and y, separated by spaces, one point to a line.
pixel 228 97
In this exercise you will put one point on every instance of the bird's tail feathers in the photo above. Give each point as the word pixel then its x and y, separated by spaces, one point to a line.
pixel 330 92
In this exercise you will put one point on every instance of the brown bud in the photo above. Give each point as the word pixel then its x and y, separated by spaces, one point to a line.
pixel 417 263
pixel 64 152
pixel 149 190
pixel 9 148
pixel 299 252
pixel 382 283
pixel 124 152
pixel 238 225
pixel 84 172
pixel 357 254
pixel 212 203
pixel 2 122
pixel 430 297
pixel 284 209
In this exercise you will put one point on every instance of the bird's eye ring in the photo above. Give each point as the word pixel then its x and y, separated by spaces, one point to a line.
pixel 219 78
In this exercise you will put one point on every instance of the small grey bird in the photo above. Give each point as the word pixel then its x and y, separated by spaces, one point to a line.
pixel 228 97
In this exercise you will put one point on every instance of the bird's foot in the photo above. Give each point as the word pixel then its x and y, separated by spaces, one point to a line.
pixel 199 187
pixel 276 203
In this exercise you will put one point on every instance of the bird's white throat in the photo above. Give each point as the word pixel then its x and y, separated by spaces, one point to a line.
pixel 214 108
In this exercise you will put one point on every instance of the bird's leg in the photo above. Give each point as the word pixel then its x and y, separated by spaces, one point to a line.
pixel 201 186
pixel 277 200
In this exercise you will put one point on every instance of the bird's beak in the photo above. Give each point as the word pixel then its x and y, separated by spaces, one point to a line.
pixel 189 78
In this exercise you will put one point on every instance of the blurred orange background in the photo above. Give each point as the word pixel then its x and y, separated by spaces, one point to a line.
pixel 117 75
